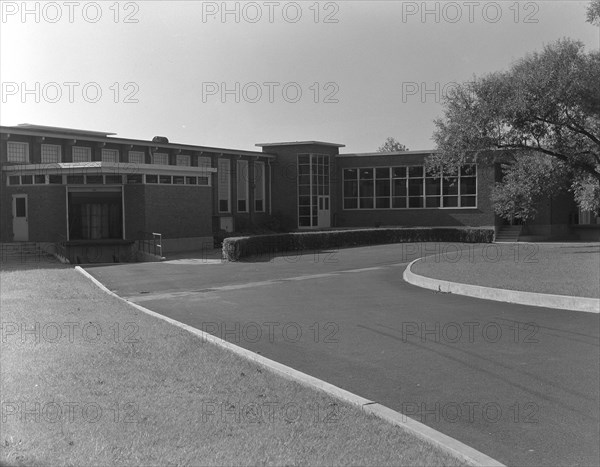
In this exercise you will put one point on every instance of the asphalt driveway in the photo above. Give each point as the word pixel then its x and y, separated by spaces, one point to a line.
pixel 515 382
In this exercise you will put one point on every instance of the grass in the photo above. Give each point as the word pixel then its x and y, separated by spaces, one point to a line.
pixel 119 387
pixel 562 269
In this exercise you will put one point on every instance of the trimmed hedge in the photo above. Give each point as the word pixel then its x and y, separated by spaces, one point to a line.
pixel 236 248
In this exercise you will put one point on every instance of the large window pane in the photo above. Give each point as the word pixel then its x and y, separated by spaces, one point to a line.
pixel 450 201
pixel 450 186
pixel 399 187
pixel 415 187
pixel 468 201
pixel 366 188
pixel 432 186
pixel 382 172
pixel 350 203
pixel 382 203
pixel 468 185
pixel 366 174
pixel 382 188
pixel 350 174
pixel 399 202
pixel 468 170
pixel 399 172
pixel 415 172
pixel 366 203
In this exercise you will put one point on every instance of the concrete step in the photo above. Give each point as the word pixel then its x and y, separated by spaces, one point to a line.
pixel 508 234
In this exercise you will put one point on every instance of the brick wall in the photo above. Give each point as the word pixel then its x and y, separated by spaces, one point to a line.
pixel 178 211
pixel 46 212
pixel 285 179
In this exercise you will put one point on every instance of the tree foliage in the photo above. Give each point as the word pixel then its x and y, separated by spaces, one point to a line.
pixel 528 180
pixel 391 145
pixel 593 12
pixel 547 103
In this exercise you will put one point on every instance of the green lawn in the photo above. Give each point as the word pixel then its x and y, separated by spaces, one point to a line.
pixel 563 269
pixel 97 382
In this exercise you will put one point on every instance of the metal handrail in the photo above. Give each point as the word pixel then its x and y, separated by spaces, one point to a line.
pixel 150 245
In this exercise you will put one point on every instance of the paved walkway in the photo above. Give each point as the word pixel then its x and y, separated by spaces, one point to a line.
pixel 515 382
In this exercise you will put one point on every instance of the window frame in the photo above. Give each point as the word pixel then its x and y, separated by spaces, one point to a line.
pixel 22 144
pixel 224 183
pixel 259 182
pixel 154 162
pixel 88 151
pixel 47 146
pixel 114 152
pixel 241 183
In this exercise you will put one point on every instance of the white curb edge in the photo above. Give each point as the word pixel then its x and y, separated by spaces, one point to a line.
pixel 561 302
pixel 451 445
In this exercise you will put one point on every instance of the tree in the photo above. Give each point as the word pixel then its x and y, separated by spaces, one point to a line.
pixel 391 145
pixel 593 12
pixel 529 179
pixel 547 104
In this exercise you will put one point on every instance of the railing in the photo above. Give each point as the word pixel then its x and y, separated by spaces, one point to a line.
pixel 150 242
pixel 62 248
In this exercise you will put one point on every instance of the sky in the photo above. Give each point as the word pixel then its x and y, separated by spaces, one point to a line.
pixel 233 74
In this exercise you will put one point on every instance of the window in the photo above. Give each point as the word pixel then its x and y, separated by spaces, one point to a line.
pixel 151 178
pixel 160 158
pixel 203 181
pixel 183 159
pixel 259 186
pixel 17 151
pixel 50 153
pixel 81 154
pixel 134 178
pixel 75 179
pixel 164 179
pixel 113 179
pixel 365 188
pixel 313 188
pixel 242 186
pixel 399 187
pixel 94 179
pixel 191 181
pixel 55 179
pixel 224 172
pixel 178 180
pixel 110 155
pixel 350 188
pixel 14 180
pixel 408 187
pixel 137 157
pixel 382 188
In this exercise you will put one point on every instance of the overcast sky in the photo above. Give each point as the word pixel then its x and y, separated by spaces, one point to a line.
pixel 350 72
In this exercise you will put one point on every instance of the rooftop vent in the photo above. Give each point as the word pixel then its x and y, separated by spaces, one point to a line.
pixel 160 139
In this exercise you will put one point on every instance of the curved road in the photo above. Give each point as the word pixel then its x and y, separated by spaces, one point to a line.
pixel 518 383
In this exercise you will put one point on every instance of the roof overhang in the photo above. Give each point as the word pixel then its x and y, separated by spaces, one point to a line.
pixel 298 143
pixel 108 168
pixel 106 138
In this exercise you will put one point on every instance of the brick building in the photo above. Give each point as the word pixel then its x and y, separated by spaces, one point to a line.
pixel 79 187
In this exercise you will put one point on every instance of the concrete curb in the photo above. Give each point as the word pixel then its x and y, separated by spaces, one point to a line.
pixel 561 302
pixel 463 452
